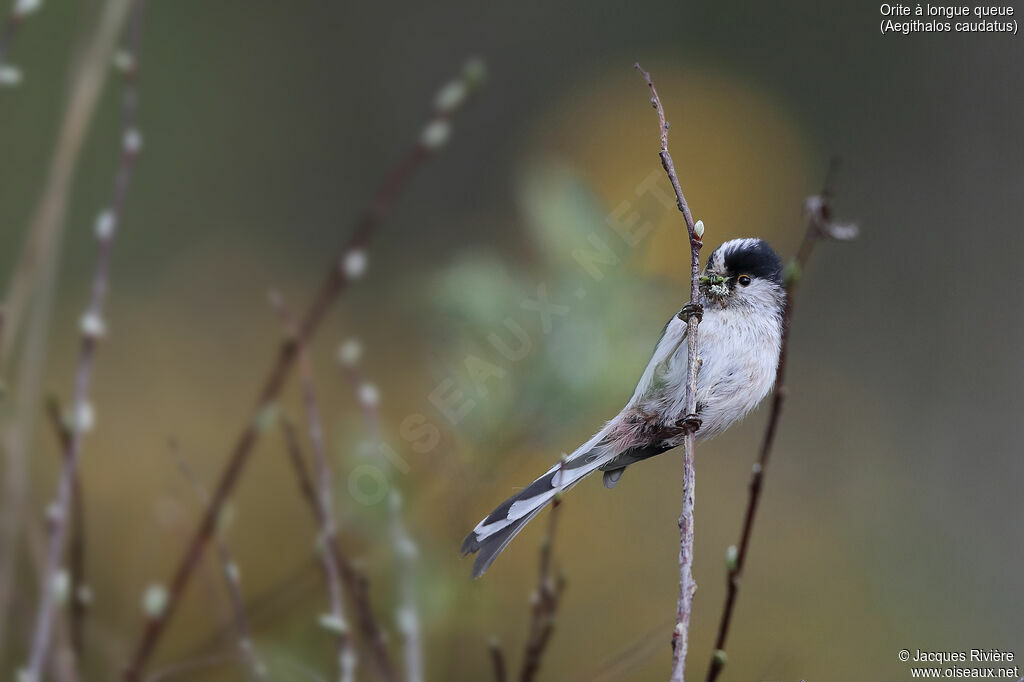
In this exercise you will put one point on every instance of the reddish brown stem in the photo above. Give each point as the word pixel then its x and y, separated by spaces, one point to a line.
pixel 820 215
pixel 336 281
pixel 229 570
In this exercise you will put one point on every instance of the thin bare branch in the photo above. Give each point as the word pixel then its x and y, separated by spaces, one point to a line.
pixel 31 289
pixel 408 615
pixel 92 328
pixel 324 494
pixel 255 668
pixel 78 592
pixel 819 226
pixel 691 313
pixel 348 266
pixel 356 586
pixel 63 664
pixel 404 547
pixel 546 597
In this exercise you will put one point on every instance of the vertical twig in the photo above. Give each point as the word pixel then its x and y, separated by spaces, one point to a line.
pixel 405 549
pixel 546 597
pixel 819 226
pixel 78 592
pixel 408 615
pixel 692 315
pixel 92 328
pixel 256 670
pixel 349 265
pixel 63 664
pixel 31 288
pixel 356 585
pixel 336 622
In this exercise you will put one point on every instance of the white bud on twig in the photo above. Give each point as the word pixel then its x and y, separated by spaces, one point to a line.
pixel 54 513
pixel 349 352
pixel 451 96
pixel 813 205
pixel 226 517
pixel 92 325
pixel 406 619
pixel 732 556
pixel 334 623
pixel 406 548
pixel 61 586
pixel 9 75
pixel 132 141
pixel 233 572
pixel 82 418
pixel 842 232
pixel 266 417
pixel 369 396
pixel 435 134
pixel 25 7
pixel 354 263
pixel 154 601
pixel 106 222
pixel 124 61
pixel 698 229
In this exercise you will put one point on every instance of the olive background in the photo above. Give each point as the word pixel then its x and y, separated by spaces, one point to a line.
pixel 892 512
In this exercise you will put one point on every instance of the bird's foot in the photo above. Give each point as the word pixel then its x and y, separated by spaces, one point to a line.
pixel 691 310
pixel 690 423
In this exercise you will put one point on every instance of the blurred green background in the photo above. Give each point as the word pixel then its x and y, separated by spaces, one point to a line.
pixel 892 516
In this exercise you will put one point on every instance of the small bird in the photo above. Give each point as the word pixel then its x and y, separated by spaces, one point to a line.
pixel 740 336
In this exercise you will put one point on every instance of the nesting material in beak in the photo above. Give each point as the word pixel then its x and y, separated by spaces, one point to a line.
pixel 715 285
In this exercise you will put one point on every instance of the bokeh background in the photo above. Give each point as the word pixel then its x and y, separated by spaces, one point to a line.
pixel 892 516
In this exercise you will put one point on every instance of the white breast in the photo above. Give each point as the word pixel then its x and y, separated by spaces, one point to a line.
pixel 739 355
pixel 739 352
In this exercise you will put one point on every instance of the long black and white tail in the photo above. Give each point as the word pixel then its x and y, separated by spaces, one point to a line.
pixel 494 533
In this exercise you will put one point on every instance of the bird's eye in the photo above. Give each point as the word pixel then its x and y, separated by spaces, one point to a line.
pixel 744 280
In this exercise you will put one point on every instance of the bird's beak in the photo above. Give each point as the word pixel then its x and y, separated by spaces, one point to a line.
pixel 714 285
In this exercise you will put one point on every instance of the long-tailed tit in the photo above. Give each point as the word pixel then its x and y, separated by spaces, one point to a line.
pixel 740 334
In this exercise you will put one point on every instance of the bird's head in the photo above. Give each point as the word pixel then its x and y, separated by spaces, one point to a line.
pixel 743 272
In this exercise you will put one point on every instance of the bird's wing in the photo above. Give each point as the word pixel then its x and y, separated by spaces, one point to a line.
pixel 616 439
pixel 653 379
